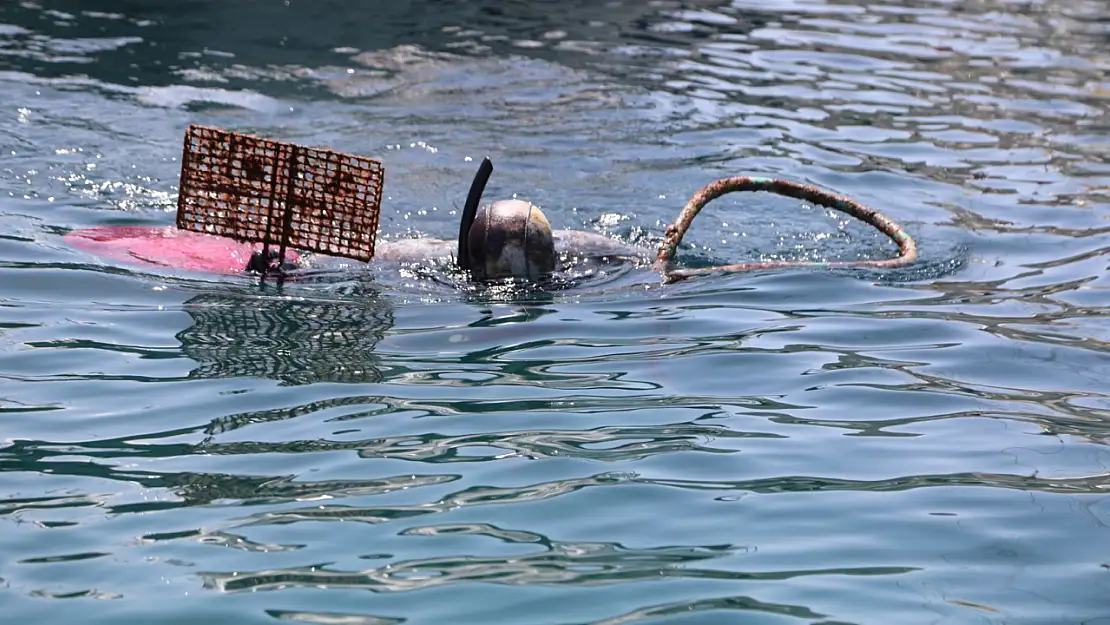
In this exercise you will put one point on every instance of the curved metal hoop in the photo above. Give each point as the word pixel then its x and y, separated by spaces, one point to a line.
pixel 664 260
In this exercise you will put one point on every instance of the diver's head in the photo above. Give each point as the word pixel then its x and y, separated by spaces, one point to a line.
pixel 510 239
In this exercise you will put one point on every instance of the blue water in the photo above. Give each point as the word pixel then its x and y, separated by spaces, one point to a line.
pixel 925 445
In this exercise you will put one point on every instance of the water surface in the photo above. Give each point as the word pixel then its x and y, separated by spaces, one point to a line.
pixel 926 445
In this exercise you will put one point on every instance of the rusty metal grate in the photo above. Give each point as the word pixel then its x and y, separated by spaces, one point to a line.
pixel 277 193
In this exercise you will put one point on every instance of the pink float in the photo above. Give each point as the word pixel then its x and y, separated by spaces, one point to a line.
pixel 157 246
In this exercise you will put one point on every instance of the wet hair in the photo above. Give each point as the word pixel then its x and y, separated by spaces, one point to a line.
pixel 510 239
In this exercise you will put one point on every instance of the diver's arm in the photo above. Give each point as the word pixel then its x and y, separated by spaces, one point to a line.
pixel 567 243
pixel 414 250
pixel 582 243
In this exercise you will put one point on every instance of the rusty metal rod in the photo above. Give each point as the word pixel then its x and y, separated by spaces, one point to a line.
pixel 664 261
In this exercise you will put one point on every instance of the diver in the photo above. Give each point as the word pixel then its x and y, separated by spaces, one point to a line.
pixel 505 240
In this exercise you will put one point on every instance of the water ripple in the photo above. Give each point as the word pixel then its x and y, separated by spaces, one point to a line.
pixel 558 564
pixel 773 446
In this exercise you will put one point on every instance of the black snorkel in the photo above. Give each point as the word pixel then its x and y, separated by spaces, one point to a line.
pixel 470 210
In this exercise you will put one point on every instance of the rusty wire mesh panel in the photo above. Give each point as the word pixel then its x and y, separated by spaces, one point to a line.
pixel 265 191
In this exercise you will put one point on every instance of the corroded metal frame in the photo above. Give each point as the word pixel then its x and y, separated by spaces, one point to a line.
pixel 276 193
